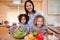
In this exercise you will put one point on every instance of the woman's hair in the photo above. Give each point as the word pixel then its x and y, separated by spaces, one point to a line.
pixel 32 5
pixel 36 18
pixel 23 15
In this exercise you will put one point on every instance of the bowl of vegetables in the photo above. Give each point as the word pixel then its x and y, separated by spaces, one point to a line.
pixel 20 33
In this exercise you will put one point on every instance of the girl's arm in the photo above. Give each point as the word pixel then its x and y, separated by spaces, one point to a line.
pixel 17 27
pixel 31 30
pixel 12 28
pixel 45 29
pixel 28 30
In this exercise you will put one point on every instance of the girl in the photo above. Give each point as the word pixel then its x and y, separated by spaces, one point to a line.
pixel 39 26
pixel 23 19
pixel 39 23
pixel 29 9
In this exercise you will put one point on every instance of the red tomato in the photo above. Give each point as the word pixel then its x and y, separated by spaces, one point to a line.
pixel 40 36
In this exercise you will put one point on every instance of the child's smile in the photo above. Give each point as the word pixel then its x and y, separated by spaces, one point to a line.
pixel 39 22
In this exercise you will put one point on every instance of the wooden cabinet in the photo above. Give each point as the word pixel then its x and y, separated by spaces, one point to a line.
pixel 3 30
pixel 38 5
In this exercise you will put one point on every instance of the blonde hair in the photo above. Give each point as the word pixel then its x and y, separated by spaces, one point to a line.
pixel 36 18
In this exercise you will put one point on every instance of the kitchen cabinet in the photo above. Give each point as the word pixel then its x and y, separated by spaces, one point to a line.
pixel 3 29
pixel 38 5
pixel 54 7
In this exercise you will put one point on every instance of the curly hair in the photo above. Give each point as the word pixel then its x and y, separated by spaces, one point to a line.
pixel 23 15
pixel 36 18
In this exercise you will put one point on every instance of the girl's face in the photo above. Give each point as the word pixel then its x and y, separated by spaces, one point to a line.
pixel 23 20
pixel 29 6
pixel 40 22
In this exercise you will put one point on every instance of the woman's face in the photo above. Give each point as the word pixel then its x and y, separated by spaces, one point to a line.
pixel 29 6
pixel 40 22
pixel 23 20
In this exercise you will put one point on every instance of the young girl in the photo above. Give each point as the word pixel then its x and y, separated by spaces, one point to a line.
pixel 23 19
pixel 39 23
pixel 39 26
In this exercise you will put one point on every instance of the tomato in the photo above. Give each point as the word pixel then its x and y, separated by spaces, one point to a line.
pixel 39 36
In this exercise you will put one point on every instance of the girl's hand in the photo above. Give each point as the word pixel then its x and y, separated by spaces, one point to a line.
pixel 28 30
pixel 43 31
pixel 26 38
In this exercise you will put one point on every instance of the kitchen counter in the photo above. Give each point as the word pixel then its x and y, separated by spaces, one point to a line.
pixel 54 29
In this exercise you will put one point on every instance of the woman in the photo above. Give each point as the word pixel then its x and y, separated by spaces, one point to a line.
pixel 29 9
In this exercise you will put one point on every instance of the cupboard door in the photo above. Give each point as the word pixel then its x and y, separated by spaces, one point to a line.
pixel 53 6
